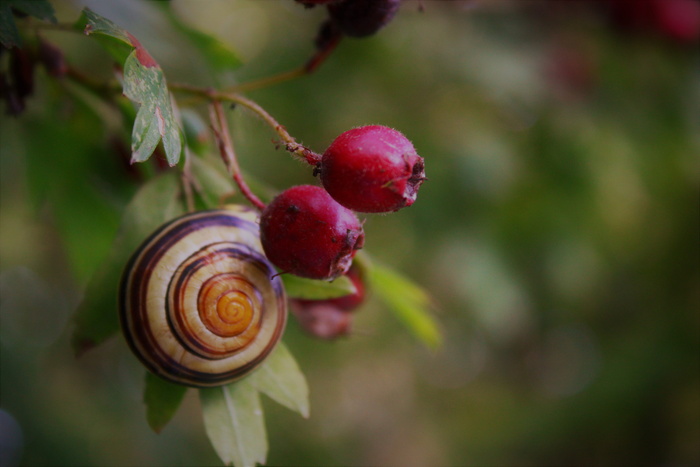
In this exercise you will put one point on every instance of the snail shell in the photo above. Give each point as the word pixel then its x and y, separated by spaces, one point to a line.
pixel 199 303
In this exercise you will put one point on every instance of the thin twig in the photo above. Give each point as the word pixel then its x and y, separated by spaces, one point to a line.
pixel 326 43
pixel 268 81
pixel 290 144
pixel 187 179
pixel 223 138
pixel 65 27
pixel 107 90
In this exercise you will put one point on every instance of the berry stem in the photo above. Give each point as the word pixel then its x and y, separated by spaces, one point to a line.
pixel 223 138
pixel 290 144
pixel 325 48
pixel 269 80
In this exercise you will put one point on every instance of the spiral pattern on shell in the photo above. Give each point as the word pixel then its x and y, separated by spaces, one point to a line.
pixel 199 303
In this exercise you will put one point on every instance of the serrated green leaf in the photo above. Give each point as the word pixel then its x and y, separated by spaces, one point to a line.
pixel 281 379
pixel 155 119
pixel 114 39
pixel 233 420
pixel 162 399
pixel 96 24
pixel 144 135
pixel 407 301
pixel 144 84
pixel 96 317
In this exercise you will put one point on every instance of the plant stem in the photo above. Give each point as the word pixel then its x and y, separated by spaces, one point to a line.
pixel 290 144
pixel 223 138
pixel 187 181
pixel 326 45
pixel 268 81
pixel 108 90
pixel 65 27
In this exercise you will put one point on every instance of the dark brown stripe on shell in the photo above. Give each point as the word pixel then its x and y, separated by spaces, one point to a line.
pixel 134 285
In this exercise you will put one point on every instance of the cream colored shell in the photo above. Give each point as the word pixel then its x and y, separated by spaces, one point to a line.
pixel 199 303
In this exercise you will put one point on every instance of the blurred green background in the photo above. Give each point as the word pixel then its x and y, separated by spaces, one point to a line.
pixel 557 234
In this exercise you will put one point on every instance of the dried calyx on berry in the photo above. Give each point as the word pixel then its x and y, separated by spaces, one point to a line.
pixel 360 18
pixel 372 169
pixel 305 232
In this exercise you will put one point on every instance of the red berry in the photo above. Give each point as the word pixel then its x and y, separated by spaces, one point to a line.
pixel 679 19
pixel 359 18
pixel 323 321
pixel 306 233
pixel 372 169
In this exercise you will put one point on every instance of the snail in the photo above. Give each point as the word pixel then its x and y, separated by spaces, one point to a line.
pixel 199 303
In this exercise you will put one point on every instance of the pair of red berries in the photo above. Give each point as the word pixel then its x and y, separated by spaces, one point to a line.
pixel 313 232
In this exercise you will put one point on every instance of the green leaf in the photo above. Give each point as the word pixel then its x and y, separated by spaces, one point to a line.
pixel 219 55
pixel 281 379
pixel 211 179
pixel 162 399
pixel 311 289
pixel 196 132
pixel 113 38
pixel 144 84
pixel 233 419
pixel 409 302
pixel 96 317
pixel 96 24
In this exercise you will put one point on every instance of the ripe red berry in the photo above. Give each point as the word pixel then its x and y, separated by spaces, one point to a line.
pixel 372 169
pixel 306 233
pixel 359 18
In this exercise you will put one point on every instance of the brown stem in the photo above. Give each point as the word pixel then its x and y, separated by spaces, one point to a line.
pixel 108 90
pixel 269 80
pixel 187 180
pixel 223 138
pixel 65 27
pixel 326 43
pixel 290 144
